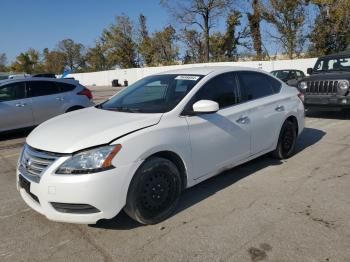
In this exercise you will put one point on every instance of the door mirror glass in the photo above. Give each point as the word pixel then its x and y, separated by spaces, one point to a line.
pixel 205 106
pixel 309 71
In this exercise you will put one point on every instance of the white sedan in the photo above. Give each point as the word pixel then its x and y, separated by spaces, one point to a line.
pixel 138 150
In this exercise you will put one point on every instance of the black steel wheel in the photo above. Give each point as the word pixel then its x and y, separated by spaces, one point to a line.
pixel 287 140
pixel 154 191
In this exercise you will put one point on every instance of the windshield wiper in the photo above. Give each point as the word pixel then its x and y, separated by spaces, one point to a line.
pixel 124 109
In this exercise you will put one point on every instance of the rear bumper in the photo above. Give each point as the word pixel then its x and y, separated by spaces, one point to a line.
pixel 105 192
pixel 323 101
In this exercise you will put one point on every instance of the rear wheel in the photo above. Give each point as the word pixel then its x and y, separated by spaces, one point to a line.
pixel 154 191
pixel 286 141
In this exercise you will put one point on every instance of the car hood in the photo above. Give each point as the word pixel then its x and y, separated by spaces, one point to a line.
pixel 328 76
pixel 86 128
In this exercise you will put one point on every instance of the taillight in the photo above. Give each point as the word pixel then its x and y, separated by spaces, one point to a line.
pixel 86 92
pixel 301 97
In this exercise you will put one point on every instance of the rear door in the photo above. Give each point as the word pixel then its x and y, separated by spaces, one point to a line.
pixel 47 101
pixel 15 109
pixel 219 139
pixel 267 109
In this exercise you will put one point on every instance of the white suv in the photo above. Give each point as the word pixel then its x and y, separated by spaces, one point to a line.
pixel 142 147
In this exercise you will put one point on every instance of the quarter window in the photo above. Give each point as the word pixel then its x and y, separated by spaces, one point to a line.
pixel 257 85
pixel 42 88
pixel 63 87
pixel 12 91
pixel 221 89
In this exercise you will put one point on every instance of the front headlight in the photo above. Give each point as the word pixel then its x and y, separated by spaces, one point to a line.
pixel 343 85
pixel 90 161
pixel 302 85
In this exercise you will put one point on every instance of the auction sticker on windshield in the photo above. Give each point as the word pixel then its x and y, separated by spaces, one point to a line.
pixel 187 77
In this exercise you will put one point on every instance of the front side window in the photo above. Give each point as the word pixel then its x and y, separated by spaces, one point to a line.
pixel 332 64
pixel 153 94
pixel 256 85
pixel 42 88
pixel 222 89
pixel 12 91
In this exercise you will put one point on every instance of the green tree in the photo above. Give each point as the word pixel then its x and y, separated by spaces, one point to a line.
pixel 254 19
pixel 3 62
pixel 96 58
pixel 165 49
pixel 330 33
pixel 120 43
pixel 28 62
pixel 288 17
pixel 74 54
pixel 224 46
pixel 54 61
pixel 145 47
pixel 194 50
pixel 201 13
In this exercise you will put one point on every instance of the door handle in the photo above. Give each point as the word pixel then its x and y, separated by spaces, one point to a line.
pixel 279 108
pixel 59 98
pixel 20 105
pixel 243 120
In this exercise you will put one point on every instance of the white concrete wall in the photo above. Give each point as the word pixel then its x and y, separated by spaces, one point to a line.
pixel 104 78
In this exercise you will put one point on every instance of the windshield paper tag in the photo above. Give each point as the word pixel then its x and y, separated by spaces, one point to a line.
pixel 187 77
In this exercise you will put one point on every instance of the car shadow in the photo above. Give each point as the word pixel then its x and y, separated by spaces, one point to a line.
pixel 200 192
pixel 340 115
pixel 14 134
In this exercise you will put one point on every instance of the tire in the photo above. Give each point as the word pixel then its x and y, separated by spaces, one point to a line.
pixel 73 108
pixel 286 141
pixel 154 191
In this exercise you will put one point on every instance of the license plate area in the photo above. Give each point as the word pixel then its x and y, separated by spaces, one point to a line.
pixel 24 183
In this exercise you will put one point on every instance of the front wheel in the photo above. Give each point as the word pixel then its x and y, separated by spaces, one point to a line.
pixel 286 141
pixel 154 191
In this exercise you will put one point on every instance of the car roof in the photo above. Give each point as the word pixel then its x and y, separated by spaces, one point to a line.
pixel 206 70
pixel 28 79
pixel 285 70
pixel 338 55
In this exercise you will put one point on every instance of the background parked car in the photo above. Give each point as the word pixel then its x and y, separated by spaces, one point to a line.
pixel 328 86
pixel 30 101
pixel 289 76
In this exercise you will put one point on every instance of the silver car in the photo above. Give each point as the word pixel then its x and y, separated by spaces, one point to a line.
pixel 30 101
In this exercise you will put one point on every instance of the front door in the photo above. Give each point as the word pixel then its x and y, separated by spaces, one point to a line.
pixel 15 109
pixel 220 139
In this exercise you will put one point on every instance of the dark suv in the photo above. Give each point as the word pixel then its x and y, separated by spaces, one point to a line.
pixel 328 83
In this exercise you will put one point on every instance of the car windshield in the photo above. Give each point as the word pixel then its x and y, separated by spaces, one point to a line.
pixel 153 94
pixel 282 74
pixel 332 64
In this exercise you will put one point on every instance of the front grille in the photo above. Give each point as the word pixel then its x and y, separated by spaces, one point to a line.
pixel 325 87
pixel 33 163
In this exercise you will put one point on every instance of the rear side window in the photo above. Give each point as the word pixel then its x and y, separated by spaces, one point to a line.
pixel 42 88
pixel 221 89
pixel 12 91
pixel 64 87
pixel 256 85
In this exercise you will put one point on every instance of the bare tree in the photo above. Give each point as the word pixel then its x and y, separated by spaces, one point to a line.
pixel 200 13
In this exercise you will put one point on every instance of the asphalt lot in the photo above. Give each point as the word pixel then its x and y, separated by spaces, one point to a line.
pixel 266 210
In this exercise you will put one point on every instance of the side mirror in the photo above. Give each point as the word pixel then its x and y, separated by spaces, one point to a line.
pixel 309 71
pixel 205 106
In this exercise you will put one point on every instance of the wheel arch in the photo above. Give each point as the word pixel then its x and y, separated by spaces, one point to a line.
pixel 294 120
pixel 177 160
